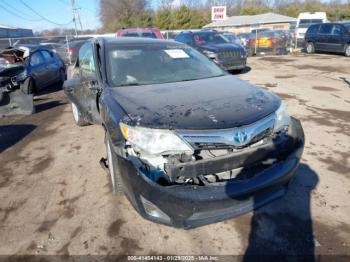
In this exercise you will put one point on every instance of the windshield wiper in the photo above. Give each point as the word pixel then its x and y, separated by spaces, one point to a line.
pixel 129 84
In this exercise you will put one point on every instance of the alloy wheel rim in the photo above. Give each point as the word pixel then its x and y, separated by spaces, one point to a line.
pixel 75 112
pixel 347 51
pixel 309 48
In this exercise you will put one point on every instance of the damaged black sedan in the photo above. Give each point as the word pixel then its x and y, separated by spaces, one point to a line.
pixel 186 142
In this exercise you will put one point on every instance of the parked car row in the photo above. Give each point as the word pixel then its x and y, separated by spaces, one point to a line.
pixel 216 46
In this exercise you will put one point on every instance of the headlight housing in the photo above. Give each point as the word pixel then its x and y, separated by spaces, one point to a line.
pixel 21 76
pixel 243 53
pixel 282 121
pixel 210 54
pixel 154 141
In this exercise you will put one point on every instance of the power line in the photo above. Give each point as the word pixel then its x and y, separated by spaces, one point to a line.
pixel 17 12
pixel 43 17
pixel 17 15
pixel 64 2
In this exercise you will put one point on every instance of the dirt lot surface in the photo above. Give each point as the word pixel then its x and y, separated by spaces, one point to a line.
pixel 55 197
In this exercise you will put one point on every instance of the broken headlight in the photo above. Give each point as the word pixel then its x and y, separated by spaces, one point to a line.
pixel 282 121
pixel 154 141
pixel 21 76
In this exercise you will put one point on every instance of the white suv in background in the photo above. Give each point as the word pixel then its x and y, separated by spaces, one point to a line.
pixel 305 20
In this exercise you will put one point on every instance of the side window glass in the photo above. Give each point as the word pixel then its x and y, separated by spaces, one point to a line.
pixel 313 29
pixel 184 38
pixel 188 39
pixel 337 30
pixel 47 56
pixel 326 29
pixel 36 59
pixel 180 38
pixel 86 58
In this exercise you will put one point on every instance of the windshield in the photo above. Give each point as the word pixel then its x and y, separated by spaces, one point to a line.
pixel 157 63
pixel 140 34
pixel 230 37
pixel 210 38
pixel 305 23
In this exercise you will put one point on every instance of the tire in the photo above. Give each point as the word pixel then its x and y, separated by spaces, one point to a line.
pixel 310 48
pixel 78 119
pixel 347 51
pixel 113 169
pixel 28 86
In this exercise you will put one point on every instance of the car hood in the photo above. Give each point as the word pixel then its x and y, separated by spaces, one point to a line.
pixel 214 103
pixel 220 47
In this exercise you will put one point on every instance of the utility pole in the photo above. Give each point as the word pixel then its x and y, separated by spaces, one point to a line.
pixel 81 25
pixel 72 2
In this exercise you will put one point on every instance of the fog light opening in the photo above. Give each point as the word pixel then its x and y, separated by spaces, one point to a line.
pixel 153 211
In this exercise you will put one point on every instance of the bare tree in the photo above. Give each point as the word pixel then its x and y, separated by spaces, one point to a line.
pixel 115 14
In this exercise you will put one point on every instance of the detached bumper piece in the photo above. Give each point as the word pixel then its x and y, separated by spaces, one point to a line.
pixel 16 103
pixel 187 206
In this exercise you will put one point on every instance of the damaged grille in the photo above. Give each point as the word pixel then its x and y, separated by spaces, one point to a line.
pixel 232 154
pixel 235 138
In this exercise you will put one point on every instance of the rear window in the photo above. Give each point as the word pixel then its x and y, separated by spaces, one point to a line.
pixel 140 34
pixel 149 35
pixel 326 29
pixel 305 23
pixel 131 34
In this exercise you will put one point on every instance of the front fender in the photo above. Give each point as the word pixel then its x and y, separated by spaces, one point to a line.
pixel 111 114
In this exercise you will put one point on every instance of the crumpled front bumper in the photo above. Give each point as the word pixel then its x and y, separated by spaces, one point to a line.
pixel 187 206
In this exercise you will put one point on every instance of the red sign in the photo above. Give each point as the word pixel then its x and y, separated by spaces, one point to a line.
pixel 218 13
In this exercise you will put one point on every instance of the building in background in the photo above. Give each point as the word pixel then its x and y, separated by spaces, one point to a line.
pixel 14 32
pixel 247 23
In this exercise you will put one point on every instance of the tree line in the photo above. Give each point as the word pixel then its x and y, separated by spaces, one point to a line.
pixel 185 14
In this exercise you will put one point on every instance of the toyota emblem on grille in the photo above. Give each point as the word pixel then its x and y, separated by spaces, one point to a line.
pixel 240 137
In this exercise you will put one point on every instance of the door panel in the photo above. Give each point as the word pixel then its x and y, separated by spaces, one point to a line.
pixel 38 69
pixel 324 37
pixel 89 83
pixel 51 66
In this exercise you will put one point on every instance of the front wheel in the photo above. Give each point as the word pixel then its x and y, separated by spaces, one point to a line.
pixel 113 169
pixel 310 49
pixel 347 50
pixel 28 86
pixel 78 118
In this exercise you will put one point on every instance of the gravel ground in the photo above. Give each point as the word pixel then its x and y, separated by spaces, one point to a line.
pixel 55 197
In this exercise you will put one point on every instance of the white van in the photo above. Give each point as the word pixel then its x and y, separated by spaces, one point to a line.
pixel 306 19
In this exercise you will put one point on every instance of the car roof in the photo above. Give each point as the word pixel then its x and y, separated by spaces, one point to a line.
pixel 135 40
pixel 148 29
